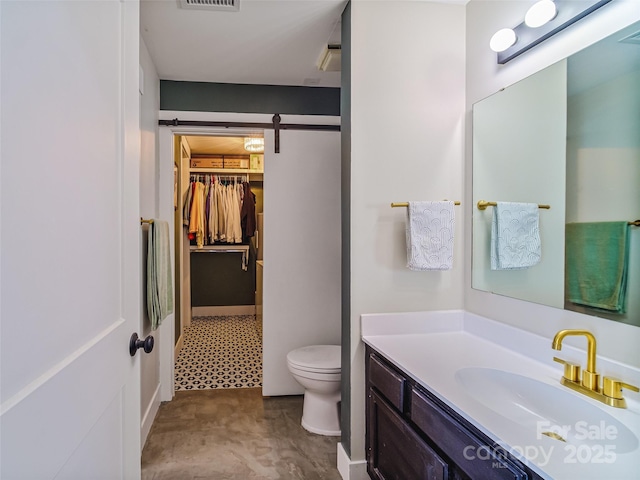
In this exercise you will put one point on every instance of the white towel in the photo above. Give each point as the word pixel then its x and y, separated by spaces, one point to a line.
pixel 515 236
pixel 159 284
pixel 430 227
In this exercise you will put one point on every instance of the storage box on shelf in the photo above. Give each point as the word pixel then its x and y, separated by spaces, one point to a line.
pixel 250 165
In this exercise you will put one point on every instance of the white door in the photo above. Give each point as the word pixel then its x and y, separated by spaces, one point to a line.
pixel 302 250
pixel 70 244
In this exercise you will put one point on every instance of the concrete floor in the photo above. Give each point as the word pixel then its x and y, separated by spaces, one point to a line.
pixel 235 434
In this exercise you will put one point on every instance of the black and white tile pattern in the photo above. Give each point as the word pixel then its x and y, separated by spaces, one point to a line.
pixel 220 352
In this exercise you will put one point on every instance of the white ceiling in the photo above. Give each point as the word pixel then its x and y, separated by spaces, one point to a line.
pixel 270 42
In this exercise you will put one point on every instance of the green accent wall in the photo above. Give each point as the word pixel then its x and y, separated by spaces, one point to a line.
pixel 217 279
pixel 245 98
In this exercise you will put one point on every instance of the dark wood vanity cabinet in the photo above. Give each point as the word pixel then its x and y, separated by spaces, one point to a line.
pixel 411 435
pixel 399 452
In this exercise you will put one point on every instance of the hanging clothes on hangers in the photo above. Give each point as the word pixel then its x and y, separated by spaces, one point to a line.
pixel 212 209
pixel 233 228
pixel 248 212
pixel 186 208
pixel 213 213
pixel 196 217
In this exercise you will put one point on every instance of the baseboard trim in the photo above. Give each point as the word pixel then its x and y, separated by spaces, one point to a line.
pixel 178 347
pixel 223 310
pixel 149 417
pixel 350 470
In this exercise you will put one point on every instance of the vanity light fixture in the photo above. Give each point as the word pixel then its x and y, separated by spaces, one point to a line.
pixel 502 40
pixel 540 13
pixel 254 144
pixel 543 20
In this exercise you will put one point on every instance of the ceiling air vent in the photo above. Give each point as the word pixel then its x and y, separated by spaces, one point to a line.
pixel 218 5
pixel 330 58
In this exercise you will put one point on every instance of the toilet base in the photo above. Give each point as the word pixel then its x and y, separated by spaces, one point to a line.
pixel 321 413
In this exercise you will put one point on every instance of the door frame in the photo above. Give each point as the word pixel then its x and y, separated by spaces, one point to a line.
pixel 166 159
pixel 166 140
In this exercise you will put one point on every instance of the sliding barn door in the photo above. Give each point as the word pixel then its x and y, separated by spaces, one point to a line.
pixel 302 250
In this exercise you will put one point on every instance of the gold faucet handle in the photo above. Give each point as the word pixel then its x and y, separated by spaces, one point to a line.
pixel 612 387
pixel 571 370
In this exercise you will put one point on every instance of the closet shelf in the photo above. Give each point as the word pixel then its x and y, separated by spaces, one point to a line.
pixel 225 171
pixel 252 175
pixel 231 248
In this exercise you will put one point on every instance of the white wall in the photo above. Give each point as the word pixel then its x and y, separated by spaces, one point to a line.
pixel 149 106
pixel 484 77
pixel 407 104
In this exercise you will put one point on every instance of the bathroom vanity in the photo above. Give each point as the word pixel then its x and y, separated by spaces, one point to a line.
pixel 451 395
pixel 412 434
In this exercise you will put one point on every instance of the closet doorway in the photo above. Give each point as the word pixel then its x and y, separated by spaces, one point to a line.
pixel 219 185
pixel 301 300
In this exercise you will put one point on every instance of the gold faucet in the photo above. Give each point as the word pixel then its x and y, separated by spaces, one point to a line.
pixel 589 376
pixel 610 393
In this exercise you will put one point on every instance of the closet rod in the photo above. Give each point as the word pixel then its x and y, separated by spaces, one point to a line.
pixel 242 177
pixel 226 250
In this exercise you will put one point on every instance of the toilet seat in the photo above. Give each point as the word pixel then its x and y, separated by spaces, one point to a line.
pixel 316 358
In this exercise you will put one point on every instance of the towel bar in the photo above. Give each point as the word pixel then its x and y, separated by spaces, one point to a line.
pixel 406 204
pixel 146 220
pixel 483 204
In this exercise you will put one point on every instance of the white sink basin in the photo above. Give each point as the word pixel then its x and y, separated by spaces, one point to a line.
pixel 545 409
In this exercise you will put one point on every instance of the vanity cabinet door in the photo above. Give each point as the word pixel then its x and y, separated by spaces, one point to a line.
pixel 465 449
pixel 395 451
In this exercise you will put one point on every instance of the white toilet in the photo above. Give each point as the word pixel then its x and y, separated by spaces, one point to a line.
pixel 317 369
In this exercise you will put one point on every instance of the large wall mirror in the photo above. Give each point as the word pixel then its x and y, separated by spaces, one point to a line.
pixel 567 137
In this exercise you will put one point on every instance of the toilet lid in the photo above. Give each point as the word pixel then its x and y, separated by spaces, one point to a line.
pixel 316 358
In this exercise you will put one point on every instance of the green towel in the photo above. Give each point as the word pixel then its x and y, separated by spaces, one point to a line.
pixel 597 261
pixel 159 284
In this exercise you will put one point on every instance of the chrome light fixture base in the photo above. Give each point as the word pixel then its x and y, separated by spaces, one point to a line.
pixel 568 13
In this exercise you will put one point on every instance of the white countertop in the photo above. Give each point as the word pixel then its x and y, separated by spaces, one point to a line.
pixel 431 346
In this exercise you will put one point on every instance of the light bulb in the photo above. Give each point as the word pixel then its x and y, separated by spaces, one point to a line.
pixel 502 40
pixel 540 13
pixel 254 144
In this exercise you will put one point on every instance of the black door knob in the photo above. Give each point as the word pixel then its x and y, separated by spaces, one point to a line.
pixel 135 343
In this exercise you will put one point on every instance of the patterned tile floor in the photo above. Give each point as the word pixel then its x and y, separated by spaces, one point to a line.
pixel 220 352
